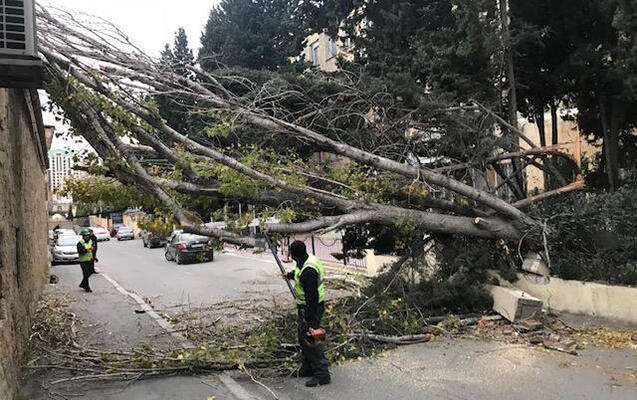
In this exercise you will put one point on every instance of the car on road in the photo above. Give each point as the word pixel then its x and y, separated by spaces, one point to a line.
pixel 100 233
pixel 186 247
pixel 125 233
pixel 65 249
pixel 115 228
pixel 151 240
pixel 64 232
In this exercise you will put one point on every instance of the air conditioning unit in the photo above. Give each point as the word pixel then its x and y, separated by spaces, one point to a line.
pixel 17 28
pixel 20 66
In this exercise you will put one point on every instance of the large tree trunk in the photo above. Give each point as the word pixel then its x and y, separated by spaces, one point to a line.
pixel 519 187
pixel 611 146
pixel 539 120
pixel 541 127
pixel 555 134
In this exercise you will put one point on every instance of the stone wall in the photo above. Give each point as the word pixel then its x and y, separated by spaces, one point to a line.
pixel 23 228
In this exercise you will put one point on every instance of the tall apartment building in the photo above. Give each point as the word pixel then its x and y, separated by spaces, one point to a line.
pixel 61 167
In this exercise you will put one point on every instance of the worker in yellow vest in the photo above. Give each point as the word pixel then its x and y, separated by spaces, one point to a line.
pixel 87 257
pixel 309 290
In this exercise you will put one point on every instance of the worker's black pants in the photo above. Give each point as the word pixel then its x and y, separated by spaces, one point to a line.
pixel 312 354
pixel 87 270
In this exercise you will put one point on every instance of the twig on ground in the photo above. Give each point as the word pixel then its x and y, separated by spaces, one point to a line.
pixel 244 369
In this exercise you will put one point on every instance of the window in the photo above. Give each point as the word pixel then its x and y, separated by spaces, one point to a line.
pixel 332 48
pixel 315 54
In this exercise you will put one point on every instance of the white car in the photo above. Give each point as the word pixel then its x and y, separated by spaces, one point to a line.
pixel 65 249
pixel 100 233
pixel 125 232
pixel 64 232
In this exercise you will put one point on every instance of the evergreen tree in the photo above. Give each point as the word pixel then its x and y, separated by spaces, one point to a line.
pixel 602 89
pixel 175 109
pixel 436 44
pixel 255 34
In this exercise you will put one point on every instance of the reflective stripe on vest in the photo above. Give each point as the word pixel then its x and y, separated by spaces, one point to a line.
pixel 88 256
pixel 315 263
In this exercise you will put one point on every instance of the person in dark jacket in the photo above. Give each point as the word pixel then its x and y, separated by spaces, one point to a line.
pixel 94 240
pixel 309 290
pixel 85 251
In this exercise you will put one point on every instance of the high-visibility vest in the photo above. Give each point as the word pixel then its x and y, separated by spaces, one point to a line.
pixel 315 263
pixel 88 256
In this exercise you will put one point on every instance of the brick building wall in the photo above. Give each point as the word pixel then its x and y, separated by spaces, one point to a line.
pixel 23 227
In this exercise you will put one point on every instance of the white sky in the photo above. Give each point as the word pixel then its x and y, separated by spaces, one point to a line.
pixel 149 23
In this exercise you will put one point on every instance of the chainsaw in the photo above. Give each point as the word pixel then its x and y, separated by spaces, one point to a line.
pixel 315 336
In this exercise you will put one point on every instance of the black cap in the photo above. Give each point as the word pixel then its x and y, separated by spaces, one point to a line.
pixel 298 249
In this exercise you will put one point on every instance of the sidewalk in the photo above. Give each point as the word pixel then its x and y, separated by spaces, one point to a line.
pixel 109 321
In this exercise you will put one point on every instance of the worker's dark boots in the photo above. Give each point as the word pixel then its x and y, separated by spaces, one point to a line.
pixel 318 381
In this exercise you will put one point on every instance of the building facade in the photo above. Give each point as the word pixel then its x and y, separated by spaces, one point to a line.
pixel 61 163
pixel 570 141
pixel 323 52
pixel 60 168
pixel 23 226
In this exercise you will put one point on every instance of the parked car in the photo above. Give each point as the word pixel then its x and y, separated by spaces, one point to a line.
pixel 185 247
pixel 65 249
pixel 115 228
pixel 151 240
pixel 125 232
pixel 100 233
pixel 64 232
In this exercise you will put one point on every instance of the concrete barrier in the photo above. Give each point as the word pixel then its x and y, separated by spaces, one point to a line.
pixel 514 304
pixel 614 302
pixel 375 263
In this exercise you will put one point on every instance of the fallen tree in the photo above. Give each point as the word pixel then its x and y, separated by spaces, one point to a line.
pixel 106 86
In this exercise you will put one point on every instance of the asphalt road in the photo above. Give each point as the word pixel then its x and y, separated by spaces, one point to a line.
pixel 168 285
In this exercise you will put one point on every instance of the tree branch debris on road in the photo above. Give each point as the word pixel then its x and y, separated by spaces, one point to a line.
pixel 260 334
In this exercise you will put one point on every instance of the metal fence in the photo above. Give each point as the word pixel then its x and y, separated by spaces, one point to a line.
pixel 328 248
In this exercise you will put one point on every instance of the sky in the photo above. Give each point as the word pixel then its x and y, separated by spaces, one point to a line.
pixel 149 23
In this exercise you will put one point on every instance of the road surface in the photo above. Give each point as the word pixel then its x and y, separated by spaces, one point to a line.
pixel 170 286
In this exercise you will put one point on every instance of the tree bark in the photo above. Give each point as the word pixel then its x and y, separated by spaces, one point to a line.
pixel 505 20
pixel 611 147
pixel 541 127
pixel 555 134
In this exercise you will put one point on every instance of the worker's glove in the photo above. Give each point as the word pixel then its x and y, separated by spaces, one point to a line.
pixel 290 276
pixel 95 259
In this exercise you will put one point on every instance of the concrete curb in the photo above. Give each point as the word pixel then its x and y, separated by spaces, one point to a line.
pixel 237 390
